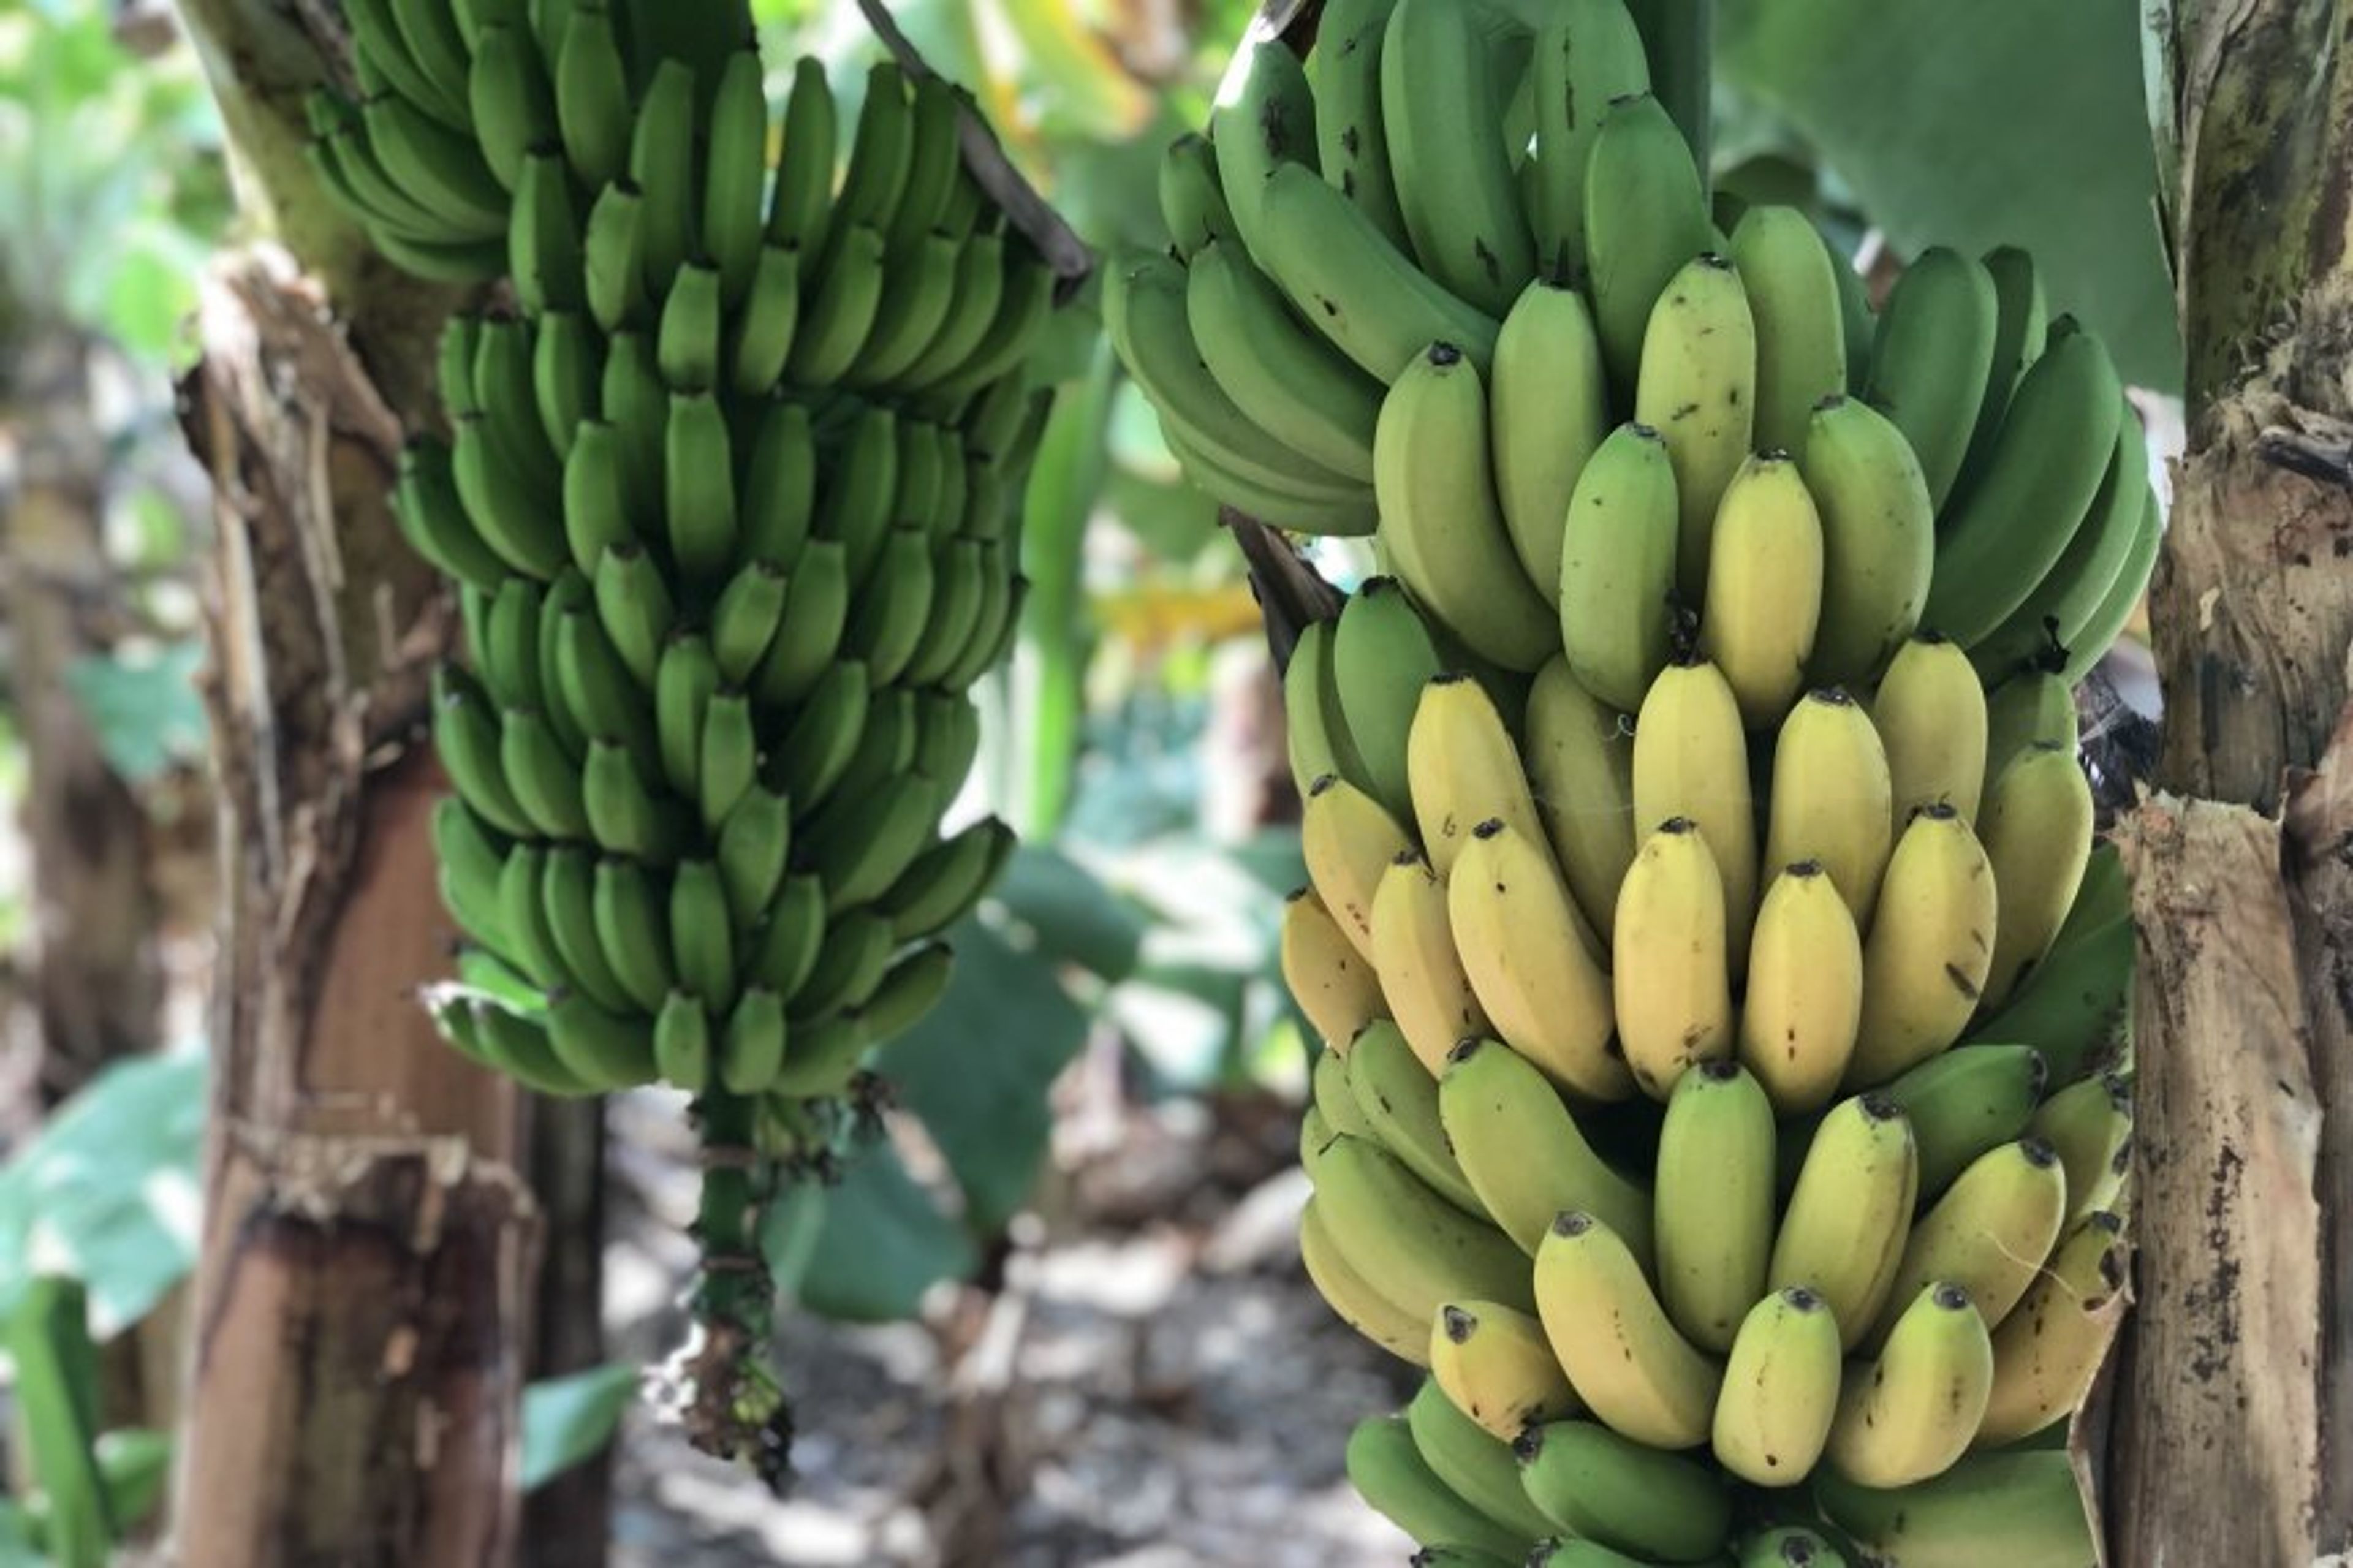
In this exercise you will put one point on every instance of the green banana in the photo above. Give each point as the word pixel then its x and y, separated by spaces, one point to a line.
pixel 1645 218
pixel 1548 410
pixel 1879 543
pixel 1931 360
pixel 1791 280
pixel 1600 1486
pixel 1442 105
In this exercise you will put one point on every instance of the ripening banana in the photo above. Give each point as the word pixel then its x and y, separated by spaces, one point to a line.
pixel 1963 1102
pixel 1930 713
pixel 2037 829
pixel 1600 1487
pixel 1421 971
pixel 1879 539
pixel 1441 101
pixel 1806 990
pixel 1464 770
pixel 1691 761
pixel 1830 798
pixel 1712 1210
pixel 1356 1300
pixel 1532 961
pixel 1673 998
pixel 1763 591
pixel 1349 843
pixel 1423 1250
pixel 1926 961
pixel 1548 409
pixel 1494 1362
pixel 1624 1357
pixel 1588 55
pixel 1333 983
pixel 1645 218
pixel 1780 1390
pixel 2089 1123
pixel 1913 1411
pixel 1930 362
pixel 2048 1350
pixel 1843 1228
pixel 1397 1099
pixel 1580 765
pixel 1616 581
pixel 2022 1510
pixel 1439 517
pixel 1989 1233
pixel 1382 658
pixel 1475 1464
pixel 1697 388
pixel 1792 278
pixel 1388 1472
pixel 2032 708
pixel 1523 1152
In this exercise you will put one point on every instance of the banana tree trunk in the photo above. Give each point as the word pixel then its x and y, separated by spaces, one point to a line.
pixel 363 1300
pixel 2234 1394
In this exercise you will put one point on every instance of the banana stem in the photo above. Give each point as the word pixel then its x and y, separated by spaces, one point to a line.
pixel 1679 38
pixel 733 1406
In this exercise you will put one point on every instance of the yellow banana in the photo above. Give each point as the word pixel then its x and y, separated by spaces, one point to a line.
pixel 1397 1099
pixel 1691 761
pixel 1494 1362
pixel 1334 987
pixel 1623 1355
pixel 1830 792
pixel 2038 837
pixel 1348 841
pixel 1925 963
pixel 1764 593
pixel 1462 769
pixel 2033 708
pixel 1356 1300
pixel 2047 1352
pixel 1580 767
pixel 1806 990
pixel 1423 1251
pixel 1531 961
pixel 1989 1233
pixel 1912 1413
pixel 1780 1390
pixel 1843 1229
pixel 2089 1123
pixel 1931 714
pixel 1421 974
pixel 1673 998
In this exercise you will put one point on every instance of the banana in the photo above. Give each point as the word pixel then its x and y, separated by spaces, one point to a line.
pixel 612 248
pixel 1548 410
pixel 1474 1465
pixel 1913 1411
pixel 1459 1557
pixel 2019 1509
pixel 849 961
pixel 1602 1488
pixel 728 759
pixel 1645 218
pixel 418 52
pixel 1356 1300
pixel 433 520
pixel 1442 105
pixel 517 1046
pixel 1390 1474
pixel 1533 962
pixel 1616 585
pixel 1495 1364
pixel 2075 1005
pixel 682 1042
pixel 1830 798
pixel 661 169
pixel 1879 540
pixel 522 923
pixel 1780 1390
pixel 1668 945
pixel 743 620
pixel 1926 962
pixel 786 947
pixel 624 816
pixel 1623 1355
pixel 1790 1546
pixel 1333 985
pixel 605 1051
pixel 2043 629
pixel 2089 1123
pixel 836 318
pixel 907 991
pixel 687 339
pixel 1382 656
pixel 471 858
pixel 1691 761
pixel 632 931
pixel 1351 138
pixel 1763 594
pixel 1579 757
pixel 511 104
pixel 598 687
pixel 2041 478
pixel 1398 1099
pixel 2021 327
pixel 505 508
pixel 637 405
pixel 1344 278
pixel 882 155
pixel 2033 708
pixel 683 684
pixel 1931 716
pixel 822 1060
pixel 2091 641
pixel 1264 120
pixel 2049 1349
pixel 1421 974
pixel 1932 357
pixel 567 366
pixel 1464 769
pixel 1422 1250
pixel 802 200
pixel 1024 297
pixel 1697 388
pixel 1335 1097
pixel 1806 990
pixel 567 898
pixel 1964 1102
pixel 752 1049
pixel 699 490
pixel 2038 839
pixel 1711 1218
pixel 592 96
pixel 1447 541
pixel 1349 844
pixel 1192 202
pixel 1283 377
pixel 466 735
pixel 886 626
pixel 943 883
pixel 919 289
pixel 1989 1233
pixel 544 257
pixel 1589 54
pixel 1566 1551
pixel 1845 1226
pixel 507 655
pixel 809 630
pixel 440 169
pixel 1792 279
pixel 734 173
pixel 1522 1152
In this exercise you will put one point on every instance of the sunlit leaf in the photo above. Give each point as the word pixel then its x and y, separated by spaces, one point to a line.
pixel 882 1243
pixel 568 1419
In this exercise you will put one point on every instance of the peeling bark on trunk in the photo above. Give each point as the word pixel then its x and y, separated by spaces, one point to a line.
pixel 2234 1410
pixel 566 1523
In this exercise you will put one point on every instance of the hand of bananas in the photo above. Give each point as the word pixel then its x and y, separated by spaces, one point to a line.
pixel 1720 983
pixel 729 504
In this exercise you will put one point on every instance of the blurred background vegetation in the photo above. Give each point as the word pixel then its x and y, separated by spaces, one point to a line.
pixel 1122 978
